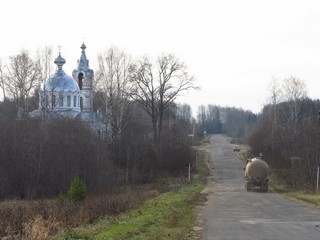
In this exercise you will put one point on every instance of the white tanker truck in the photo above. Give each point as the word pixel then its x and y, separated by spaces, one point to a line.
pixel 256 174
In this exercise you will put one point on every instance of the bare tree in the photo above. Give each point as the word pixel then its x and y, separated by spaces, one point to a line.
pixel 184 113
pixel 44 61
pixel 184 122
pixel 22 77
pixel 48 98
pixel 145 92
pixel 113 80
pixel 276 91
pixel 202 116
pixel 294 91
pixel 275 99
pixel 173 81
pixel 113 84
pixel 157 86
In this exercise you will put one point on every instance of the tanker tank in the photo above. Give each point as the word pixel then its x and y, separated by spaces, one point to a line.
pixel 256 174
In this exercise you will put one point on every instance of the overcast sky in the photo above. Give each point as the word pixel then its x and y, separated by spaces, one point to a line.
pixel 233 48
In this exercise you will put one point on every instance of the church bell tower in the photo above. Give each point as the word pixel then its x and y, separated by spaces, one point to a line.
pixel 83 75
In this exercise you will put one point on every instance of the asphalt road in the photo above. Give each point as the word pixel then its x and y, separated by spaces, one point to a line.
pixel 232 213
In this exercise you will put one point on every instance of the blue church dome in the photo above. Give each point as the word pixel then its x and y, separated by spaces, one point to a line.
pixel 60 81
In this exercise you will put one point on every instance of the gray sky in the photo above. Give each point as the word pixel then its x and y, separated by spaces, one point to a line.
pixel 232 47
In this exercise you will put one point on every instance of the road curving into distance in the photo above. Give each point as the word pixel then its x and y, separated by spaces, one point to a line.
pixel 232 213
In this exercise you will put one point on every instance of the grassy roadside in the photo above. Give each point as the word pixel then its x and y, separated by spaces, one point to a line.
pixel 168 216
pixel 306 197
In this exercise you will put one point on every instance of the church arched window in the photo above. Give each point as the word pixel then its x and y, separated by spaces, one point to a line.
pixel 81 103
pixel 53 103
pixel 68 101
pixel 61 101
pixel 75 101
pixel 80 80
pixel 47 100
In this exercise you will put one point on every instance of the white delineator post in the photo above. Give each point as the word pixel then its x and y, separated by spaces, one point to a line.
pixel 318 178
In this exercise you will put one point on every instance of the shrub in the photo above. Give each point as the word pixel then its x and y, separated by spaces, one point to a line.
pixel 176 158
pixel 77 191
pixel 61 200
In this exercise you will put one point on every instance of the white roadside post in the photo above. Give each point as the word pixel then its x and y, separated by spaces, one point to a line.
pixel 318 178
pixel 189 165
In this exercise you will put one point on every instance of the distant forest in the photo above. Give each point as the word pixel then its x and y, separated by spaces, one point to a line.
pixel 234 122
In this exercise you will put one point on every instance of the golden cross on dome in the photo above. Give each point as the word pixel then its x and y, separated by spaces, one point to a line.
pixel 59 47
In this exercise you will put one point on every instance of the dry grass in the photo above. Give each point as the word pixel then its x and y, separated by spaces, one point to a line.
pixel 40 228
pixel 41 219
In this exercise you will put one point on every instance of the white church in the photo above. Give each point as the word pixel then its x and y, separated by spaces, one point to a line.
pixel 63 96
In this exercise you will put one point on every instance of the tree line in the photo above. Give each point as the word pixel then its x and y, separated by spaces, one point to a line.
pixel 147 133
pixel 234 122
